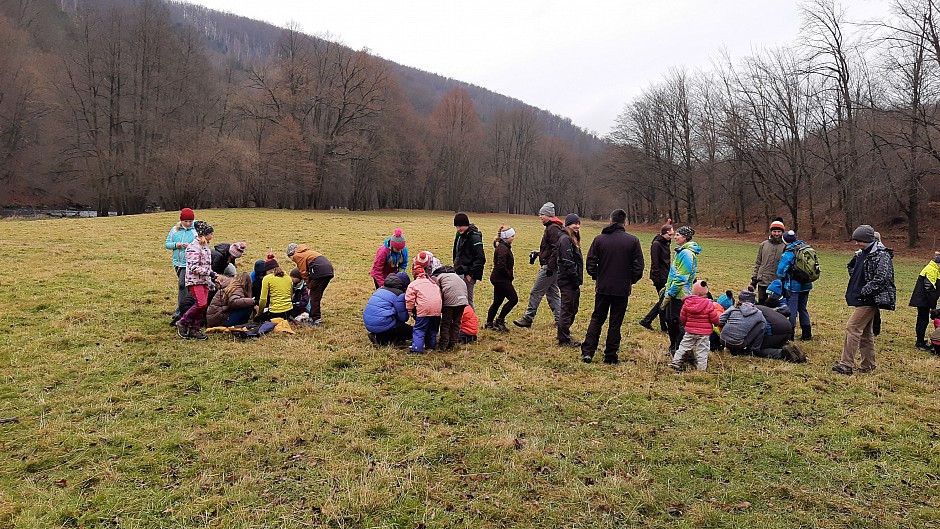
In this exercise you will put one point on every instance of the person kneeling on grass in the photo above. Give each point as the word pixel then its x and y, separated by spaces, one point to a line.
pixel 423 301
pixel 300 298
pixel 278 288
pixel 469 326
pixel 233 304
pixel 317 271
pixel 698 314
pixel 743 325
pixel 385 315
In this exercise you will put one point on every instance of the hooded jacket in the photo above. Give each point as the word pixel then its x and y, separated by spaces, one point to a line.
pixel 683 270
pixel 453 288
pixel 549 244
pixel 300 299
pixel 738 321
pixel 221 258
pixel 570 262
pixel 659 260
pixel 313 265
pixel 785 269
pixel 469 255
pixel 222 304
pixel 198 264
pixel 388 261
pixel 423 298
pixel 615 261
pixel 179 234
pixel 257 276
pixel 927 288
pixel 469 324
pixel 503 263
pixel 386 308
pixel 698 314
pixel 777 323
pixel 871 278
pixel 768 257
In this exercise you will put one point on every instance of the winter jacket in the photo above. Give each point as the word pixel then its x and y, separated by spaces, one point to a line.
pixel 871 278
pixel 683 270
pixel 312 265
pixel 549 244
pixel 659 260
pixel 182 235
pixel 503 263
pixel 935 335
pixel 300 298
pixel 386 308
pixel 221 258
pixel 785 270
pixel 469 324
pixel 257 276
pixel 768 257
pixel 279 290
pixel 615 261
pixel 570 262
pixel 198 264
pixel 698 315
pixel 453 288
pixel 738 321
pixel 777 323
pixel 224 303
pixel 423 298
pixel 927 288
pixel 469 255
pixel 388 261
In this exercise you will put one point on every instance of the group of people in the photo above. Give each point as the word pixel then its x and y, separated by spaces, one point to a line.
pixel 439 298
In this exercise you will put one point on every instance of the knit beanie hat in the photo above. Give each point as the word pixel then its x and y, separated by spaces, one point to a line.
pixel 405 280
pixel 236 249
pixel 397 241
pixel 726 299
pixel 572 218
pixel 423 258
pixel 295 272
pixel 777 224
pixel 700 289
pixel 230 270
pixel 863 233
pixel 686 231
pixel 271 265
pixel 291 248
pixel 775 289
pixel 203 228
pixel 548 209
pixel 461 219
pixel 187 214
pixel 747 296
pixel 434 265
pixel 507 233
pixel 789 237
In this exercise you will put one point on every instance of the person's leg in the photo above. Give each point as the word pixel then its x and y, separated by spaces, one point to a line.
pixel 455 325
pixel 539 288
pixel 920 327
pixel 618 308
pixel 701 352
pixel 553 297
pixel 446 317
pixel 755 338
pixel 192 317
pixel 593 334
pixel 859 320
pixel 512 298
pixel 567 314
pixel 470 285
pixel 866 347
pixel 418 333
pixel 761 295
pixel 316 287
pixel 181 290
pixel 499 296
pixel 434 326
pixel 686 345
pixel 238 317
pixel 775 341
pixel 805 325
pixel 674 325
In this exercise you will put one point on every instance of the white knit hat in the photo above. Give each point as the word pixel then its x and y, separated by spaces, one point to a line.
pixel 507 233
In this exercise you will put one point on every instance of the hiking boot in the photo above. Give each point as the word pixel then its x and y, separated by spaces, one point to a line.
pixel 182 330
pixel 373 338
pixel 646 324
pixel 500 325
pixel 807 333
pixel 587 358
pixel 865 369
pixel 174 320
pixel 793 353
pixel 571 343
pixel 197 334
pixel 489 325
pixel 612 360
pixel 842 369
pixel 676 367
pixel 522 322
pixel 923 346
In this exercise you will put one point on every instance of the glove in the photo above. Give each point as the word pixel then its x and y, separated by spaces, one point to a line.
pixel 754 283
pixel 665 302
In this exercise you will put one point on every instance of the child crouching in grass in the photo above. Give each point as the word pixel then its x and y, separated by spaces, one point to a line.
pixel 698 315
pixel 935 335
pixel 423 301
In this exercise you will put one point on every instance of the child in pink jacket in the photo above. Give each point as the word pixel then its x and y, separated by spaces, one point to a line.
pixel 423 301
pixel 698 315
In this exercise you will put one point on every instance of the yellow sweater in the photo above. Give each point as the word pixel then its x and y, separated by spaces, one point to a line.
pixel 280 290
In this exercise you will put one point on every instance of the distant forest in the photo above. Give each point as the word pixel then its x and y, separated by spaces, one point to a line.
pixel 137 104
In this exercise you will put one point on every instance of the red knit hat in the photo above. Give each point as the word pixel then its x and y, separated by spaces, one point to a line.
pixel 187 214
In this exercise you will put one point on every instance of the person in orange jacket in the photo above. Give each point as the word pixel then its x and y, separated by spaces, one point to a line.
pixel 317 271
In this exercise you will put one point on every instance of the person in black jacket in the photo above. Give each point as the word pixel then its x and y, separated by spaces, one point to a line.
pixel 224 254
pixel 469 256
pixel 546 282
pixel 615 262
pixel 501 277
pixel 570 267
pixel 660 258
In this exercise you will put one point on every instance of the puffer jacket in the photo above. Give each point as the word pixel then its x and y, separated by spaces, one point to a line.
pixel 927 288
pixel 768 257
pixel 222 304
pixel 683 270
pixel 738 321
pixel 570 262
pixel 183 235
pixel 312 265
pixel 785 270
pixel 388 261
pixel 698 315
pixel 469 324
pixel 469 256
pixel 386 308
pixel 871 283
pixel 423 298
pixel 453 287
pixel 220 257
pixel 198 264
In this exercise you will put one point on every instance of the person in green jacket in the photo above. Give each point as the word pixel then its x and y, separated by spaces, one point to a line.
pixel 277 290
pixel 679 283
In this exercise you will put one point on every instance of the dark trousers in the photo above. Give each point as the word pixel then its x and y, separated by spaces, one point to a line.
pixel 181 290
pixel 923 317
pixel 395 335
pixel 603 304
pixel 761 295
pixel 570 299
pixel 673 324
pixel 317 286
pixel 424 333
pixel 502 291
pixel 450 326
pixel 654 312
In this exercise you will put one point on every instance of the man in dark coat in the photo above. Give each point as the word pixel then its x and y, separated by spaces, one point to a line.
pixel 660 258
pixel 569 266
pixel 546 282
pixel 870 288
pixel 469 255
pixel 615 262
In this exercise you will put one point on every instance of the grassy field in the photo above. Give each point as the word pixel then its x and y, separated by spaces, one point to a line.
pixel 122 424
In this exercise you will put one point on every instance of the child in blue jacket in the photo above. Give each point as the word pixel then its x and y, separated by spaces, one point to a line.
pixel 385 315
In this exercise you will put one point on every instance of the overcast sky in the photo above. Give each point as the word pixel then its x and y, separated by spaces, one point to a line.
pixel 579 59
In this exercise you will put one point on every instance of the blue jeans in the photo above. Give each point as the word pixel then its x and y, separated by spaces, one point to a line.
pixel 425 333
pixel 238 317
pixel 797 303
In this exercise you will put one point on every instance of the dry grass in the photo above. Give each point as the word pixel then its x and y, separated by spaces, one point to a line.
pixel 122 424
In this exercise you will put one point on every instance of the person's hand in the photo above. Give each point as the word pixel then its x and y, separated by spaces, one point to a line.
pixel 665 302
pixel 469 279
pixel 754 282
pixel 256 308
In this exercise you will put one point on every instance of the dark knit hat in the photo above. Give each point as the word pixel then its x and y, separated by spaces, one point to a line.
pixel 747 295
pixel 187 214
pixel 271 265
pixel 864 233
pixel 686 231
pixel 237 249
pixel 572 218
pixel 618 216
pixel 203 228
pixel 295 272
pixel 397 240
pixel 789 237
pixel 461 219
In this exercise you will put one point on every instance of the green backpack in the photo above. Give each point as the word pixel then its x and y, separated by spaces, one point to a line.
pixel 805 264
